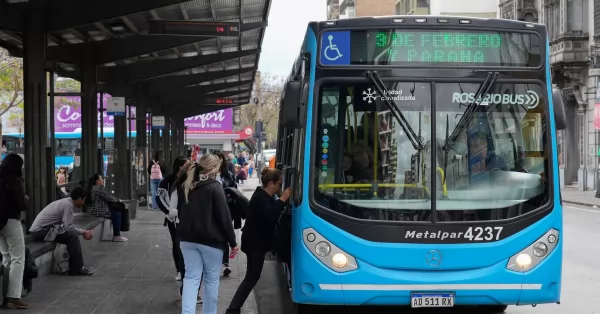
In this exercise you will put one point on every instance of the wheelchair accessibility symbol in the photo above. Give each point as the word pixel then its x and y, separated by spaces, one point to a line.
pixel 335 48
pixel 332 52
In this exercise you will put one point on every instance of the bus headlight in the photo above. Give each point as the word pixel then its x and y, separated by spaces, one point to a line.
pixel 322 249
pixel 339 260
pixel 535 253
pixel 329 254
pixel 540 249
pixel 523 261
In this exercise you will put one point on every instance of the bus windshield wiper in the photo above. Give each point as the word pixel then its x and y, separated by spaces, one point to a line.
pixel 416 141
pixel 462 124
pixel 483 89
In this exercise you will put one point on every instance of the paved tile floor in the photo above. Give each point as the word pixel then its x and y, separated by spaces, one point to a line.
pixel 134 277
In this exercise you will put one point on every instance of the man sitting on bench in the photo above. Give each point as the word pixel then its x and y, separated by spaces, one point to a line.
pixel 55 224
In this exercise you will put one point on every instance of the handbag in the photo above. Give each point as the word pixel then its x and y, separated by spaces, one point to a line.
pixel 53 232
pixel 125 220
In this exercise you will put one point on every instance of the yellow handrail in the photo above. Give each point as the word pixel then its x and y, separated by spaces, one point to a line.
pixel 354 186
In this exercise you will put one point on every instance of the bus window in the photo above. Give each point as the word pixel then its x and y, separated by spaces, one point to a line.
pixel 494 168
pixel 364 160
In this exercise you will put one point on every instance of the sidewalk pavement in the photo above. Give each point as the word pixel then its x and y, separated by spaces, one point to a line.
pixel 134 277
pixel 584 198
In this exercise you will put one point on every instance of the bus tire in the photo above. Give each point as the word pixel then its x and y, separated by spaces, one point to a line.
pixel 494 308
pixel 305 309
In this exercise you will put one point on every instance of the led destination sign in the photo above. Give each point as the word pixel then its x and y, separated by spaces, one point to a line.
pixel 425 47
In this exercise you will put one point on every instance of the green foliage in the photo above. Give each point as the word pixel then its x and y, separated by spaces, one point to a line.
pixel 11 89
pixel 11 82
pixel 65 85
pixel 271 88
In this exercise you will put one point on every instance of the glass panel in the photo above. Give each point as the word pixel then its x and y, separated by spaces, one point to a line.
pixel 366 165
pixel 494 163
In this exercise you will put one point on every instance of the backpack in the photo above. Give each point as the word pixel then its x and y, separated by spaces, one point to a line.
pixel 61 259
pixel 155 172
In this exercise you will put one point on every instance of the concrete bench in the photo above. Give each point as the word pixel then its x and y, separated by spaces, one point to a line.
pixel 42 252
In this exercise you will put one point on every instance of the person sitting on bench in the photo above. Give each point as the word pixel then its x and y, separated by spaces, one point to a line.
pixel 55 224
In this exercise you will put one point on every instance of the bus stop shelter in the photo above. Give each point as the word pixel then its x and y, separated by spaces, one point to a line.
pixel 167 58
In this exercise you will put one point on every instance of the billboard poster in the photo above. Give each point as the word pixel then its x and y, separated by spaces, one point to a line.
pixel 217 122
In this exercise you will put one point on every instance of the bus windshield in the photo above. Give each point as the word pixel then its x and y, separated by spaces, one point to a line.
pixel 490 153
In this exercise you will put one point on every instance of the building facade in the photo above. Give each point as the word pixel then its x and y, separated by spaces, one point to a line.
pixel 574 60
pixel 339 9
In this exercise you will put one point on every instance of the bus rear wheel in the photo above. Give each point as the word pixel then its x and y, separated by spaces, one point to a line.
pixel 494 308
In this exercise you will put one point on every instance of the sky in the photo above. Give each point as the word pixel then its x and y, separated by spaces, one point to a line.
pixel 284 36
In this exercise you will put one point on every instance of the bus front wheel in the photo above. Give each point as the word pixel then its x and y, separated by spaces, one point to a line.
pixel 304 309
pixel 494 308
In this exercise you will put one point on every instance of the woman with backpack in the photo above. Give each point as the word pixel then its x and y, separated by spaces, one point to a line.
pixel 12 240
pixel 157 171
pixel 204 230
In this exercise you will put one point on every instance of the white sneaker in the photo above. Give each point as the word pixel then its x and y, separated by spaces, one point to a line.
pixel 178 277
pixel 120 239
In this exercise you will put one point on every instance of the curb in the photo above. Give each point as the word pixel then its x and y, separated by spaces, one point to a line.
pixel 580 203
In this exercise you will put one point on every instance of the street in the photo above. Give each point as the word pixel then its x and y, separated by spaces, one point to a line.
pixel 580 286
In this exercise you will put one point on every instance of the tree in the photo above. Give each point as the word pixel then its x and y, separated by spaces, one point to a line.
pixel 11 84
pixel 11 90
pixel 270 88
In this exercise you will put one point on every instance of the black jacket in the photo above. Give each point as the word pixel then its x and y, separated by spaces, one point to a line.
pixel 205 219
pixel 163 194
pixel 12 199
pixel 238 206
pixel 262 216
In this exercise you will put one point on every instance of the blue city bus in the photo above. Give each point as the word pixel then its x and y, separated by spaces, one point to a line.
pixel 422 156
pixel 66 143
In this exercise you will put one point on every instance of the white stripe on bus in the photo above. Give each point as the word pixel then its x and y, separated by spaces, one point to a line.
pixel 422 287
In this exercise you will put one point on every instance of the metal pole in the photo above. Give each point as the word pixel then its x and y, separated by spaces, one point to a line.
pixel 258 101
pixel 597 163
pixel 52 166
pixel 102 144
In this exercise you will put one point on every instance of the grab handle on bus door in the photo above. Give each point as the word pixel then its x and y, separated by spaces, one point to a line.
pixel 287 179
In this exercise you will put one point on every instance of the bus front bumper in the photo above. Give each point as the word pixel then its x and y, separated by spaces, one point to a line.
pixel 314 283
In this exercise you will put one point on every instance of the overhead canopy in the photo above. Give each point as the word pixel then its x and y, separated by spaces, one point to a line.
pixel 180 71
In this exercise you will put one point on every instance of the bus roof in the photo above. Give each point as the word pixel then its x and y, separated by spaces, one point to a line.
pixel 429 20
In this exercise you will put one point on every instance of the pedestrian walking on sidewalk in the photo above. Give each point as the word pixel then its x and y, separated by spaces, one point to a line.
pixel 164 201
pixel 204 229
pixel 12 239
pixel 257 237
pixel 227 179
pixel 157 171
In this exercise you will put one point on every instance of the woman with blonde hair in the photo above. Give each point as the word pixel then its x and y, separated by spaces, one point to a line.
pixel 205 230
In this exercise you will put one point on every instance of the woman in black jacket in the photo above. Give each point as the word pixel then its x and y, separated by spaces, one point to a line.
pixel 12 240
pixel 163 199
pixel 257 236
pixel 227 179
pixel 204 229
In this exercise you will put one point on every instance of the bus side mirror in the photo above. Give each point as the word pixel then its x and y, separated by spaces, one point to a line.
pixel 560 116
pixel 294 105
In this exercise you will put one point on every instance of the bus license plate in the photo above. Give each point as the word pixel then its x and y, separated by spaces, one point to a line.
pixel 432 300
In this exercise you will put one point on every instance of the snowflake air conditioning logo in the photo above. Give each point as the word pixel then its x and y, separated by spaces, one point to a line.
pixel 370 96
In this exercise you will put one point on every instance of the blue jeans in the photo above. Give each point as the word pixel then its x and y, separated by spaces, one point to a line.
pixel 201 262
pixel 116 218
pixel 154 183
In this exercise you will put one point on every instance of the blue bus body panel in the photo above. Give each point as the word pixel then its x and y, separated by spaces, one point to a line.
pixel 372 285
pixel 388 273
